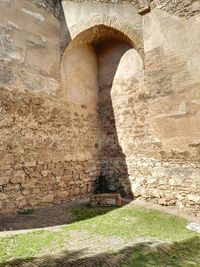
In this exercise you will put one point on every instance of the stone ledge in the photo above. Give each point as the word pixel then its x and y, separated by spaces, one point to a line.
pixel 144 10
pixel 106 199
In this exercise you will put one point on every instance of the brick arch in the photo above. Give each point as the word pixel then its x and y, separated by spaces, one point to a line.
pixel 113 22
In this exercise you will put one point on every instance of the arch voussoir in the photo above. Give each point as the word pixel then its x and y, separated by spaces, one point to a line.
pixel 134 36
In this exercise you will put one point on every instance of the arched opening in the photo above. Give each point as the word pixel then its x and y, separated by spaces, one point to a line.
pixel 113 162
pixel 97 66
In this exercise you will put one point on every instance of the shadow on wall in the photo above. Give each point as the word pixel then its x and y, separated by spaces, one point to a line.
pixel 88 70
pixel 138 254
pixel 113 160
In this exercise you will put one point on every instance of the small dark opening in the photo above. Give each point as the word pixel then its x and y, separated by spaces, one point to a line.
pixel 102 185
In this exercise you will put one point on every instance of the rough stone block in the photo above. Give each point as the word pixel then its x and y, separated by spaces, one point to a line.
pixel 106 199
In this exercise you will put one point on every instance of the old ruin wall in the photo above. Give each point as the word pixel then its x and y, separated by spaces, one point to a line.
pixel 48 147
pixel 50 144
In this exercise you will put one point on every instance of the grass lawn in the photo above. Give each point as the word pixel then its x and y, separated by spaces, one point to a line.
pixel 150 238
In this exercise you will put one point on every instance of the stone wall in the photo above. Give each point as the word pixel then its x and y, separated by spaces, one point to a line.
pixel 135 3
pixel 153 104
pixel 79 76
pixel 29 47
pixel 48 152
pixel 157 116
pixel 53 6
pixel 182 8
pixel 170 149
pixel 127 105
pixel 113 161
pixel 48 148
pixel 84 15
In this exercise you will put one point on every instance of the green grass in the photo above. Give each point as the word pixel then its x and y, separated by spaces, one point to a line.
pixel 30 244
pixel 185 254
pixel 176 246
pixel 86 212
pixel 132 222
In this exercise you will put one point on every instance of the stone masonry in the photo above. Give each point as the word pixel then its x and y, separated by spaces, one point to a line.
pixel 98 86
pixel 40 165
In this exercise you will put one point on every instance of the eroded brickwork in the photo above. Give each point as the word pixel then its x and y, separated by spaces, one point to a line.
pixel 182 8
pixel 53 6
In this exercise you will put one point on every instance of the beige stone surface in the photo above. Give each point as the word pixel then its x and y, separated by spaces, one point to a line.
pixel 29 47
pixel 164 166
pixel 48 152
pixel 78 12
pixel 79 75
pixel 127 105
pixel 82 16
